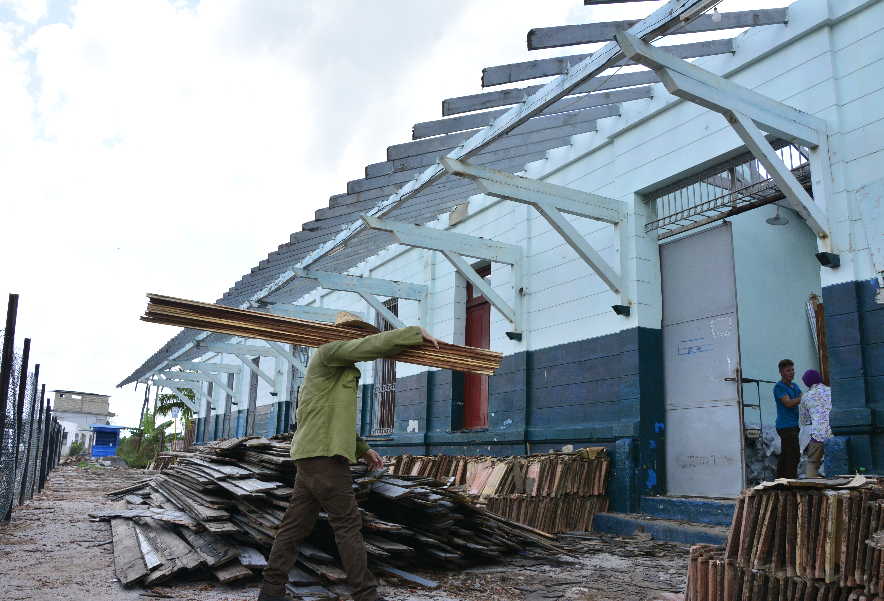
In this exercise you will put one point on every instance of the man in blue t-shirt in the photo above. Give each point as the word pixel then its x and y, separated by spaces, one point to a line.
pixel 787 396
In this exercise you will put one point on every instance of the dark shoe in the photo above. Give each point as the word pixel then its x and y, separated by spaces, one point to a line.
pixel 268 597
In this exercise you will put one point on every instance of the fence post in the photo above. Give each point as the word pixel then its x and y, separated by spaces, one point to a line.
pixel 27 466
pixel 38 451
pixel 44 460
pixel 20 403
pixel 6 363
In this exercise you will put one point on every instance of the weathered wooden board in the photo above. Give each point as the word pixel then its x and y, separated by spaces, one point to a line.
pixel 129 564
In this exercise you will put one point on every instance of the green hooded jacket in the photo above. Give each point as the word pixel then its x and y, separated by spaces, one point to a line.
pixel 327 402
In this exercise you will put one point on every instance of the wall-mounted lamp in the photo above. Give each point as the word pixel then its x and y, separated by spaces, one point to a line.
pixel 622 310
pixel 830 260
pixel 514 335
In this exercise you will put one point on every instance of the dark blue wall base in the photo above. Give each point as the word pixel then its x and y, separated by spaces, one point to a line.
pixel 605 391
pixel 855 340
pixel 269 420
pixel 836 461
pixel 623 525
pixel 717 513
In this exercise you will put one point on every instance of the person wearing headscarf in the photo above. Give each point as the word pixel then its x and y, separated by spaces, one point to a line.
pixel 816 404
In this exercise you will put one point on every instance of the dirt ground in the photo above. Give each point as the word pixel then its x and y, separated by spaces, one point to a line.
pixel 51 551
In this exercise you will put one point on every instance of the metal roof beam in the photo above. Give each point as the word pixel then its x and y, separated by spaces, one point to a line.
pixel 795 193
pixel 454 247
pixel 257 371
pixel 354 283
pixel 588 33
pixel 705 88
pixel 534 192
pixel 365 287
pixel 284 354
pixel 569 103
pixel 308 312
pixel 234 349
pixel 495 76
pixel 209 367
pixel 551 201
pixel 518 137
pixel 747 111
pixel 487 100
pixel 200 377
pixel 177 388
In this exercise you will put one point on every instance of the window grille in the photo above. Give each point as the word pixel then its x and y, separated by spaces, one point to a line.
pixel 385 378
pixel 736 186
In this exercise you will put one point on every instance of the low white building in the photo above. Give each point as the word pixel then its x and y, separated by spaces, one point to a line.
pixel 77 412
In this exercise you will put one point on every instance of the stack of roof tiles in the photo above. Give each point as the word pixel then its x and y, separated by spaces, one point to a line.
pixel 553 492
pixel 793 540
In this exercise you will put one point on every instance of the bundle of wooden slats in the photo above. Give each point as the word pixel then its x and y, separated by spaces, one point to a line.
pixel 553 492
pixel 265 326
pixel 797 539
pixel 218 510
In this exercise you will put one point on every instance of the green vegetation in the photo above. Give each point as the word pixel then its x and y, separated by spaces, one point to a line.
pixel 76 449
pixel 140 448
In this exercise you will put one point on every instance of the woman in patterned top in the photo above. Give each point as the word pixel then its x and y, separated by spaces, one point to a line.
pixel 816 404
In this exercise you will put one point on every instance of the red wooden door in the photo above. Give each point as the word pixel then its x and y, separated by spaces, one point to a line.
pixel 478 334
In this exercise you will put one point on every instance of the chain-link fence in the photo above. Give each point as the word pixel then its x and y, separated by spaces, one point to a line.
pixel 29 435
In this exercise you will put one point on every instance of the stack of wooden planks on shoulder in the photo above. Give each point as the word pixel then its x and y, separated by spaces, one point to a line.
pixel 266 326
pixel 217 510
pixel 793 540
pixel 553 492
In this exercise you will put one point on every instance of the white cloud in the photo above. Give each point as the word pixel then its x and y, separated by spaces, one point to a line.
pixel 29 11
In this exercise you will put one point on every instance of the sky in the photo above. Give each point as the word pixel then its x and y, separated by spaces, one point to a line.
pixel 169 145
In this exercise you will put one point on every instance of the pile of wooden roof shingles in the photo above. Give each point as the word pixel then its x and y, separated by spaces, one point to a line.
pixel 797 540
pixel 218 509
pixel 553 492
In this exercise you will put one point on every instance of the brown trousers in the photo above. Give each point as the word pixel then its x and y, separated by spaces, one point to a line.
pixel 790 453
pixel 322 483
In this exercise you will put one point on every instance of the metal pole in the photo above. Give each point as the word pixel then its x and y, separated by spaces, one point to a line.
pixel 44 460
pixel 26 469
pixel 39 434
pixel 20 404
pixel 6 362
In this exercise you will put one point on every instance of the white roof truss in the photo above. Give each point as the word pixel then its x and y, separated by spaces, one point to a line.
pixel 747 111
pixel 368 288
pixel 551 200
pixel 455 247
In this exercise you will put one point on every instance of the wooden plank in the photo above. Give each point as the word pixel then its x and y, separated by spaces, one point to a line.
pixel 300 577
pixel 165 515
pixel 251 557
pixel 129 564
pixel 171 546
pixel 214 550
pixel 588 33
pixel 232 572
pixel 310 592
pixel 408 576
pixel 501 74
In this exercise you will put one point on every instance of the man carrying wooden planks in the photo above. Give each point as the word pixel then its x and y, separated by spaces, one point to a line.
pixel 323 447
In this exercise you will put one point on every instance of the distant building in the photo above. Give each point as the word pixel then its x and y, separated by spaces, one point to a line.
pixel 78 412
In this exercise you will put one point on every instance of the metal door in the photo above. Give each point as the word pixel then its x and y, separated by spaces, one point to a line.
pixel 704 455
pixel 478 335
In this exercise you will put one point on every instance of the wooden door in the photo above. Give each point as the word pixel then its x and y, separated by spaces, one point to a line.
pixel 478 334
